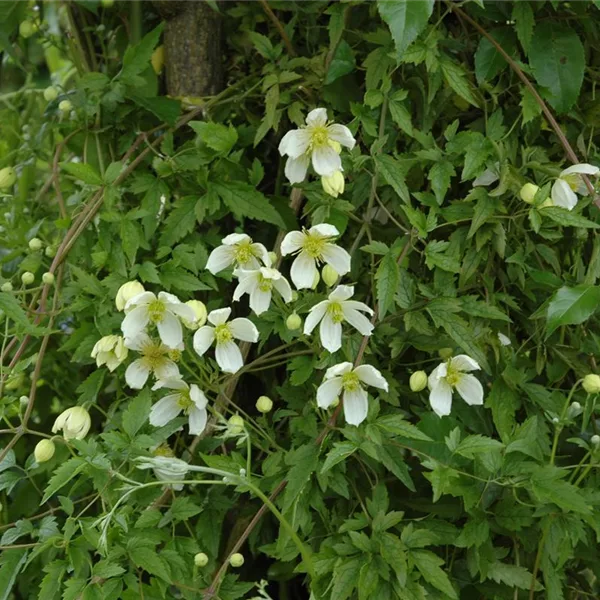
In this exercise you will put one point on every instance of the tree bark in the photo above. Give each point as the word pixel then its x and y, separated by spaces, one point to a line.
pixel 193 47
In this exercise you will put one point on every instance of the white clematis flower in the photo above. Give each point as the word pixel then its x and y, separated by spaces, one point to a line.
pixel 317 141
pixel 343 379
pixel 75 422
pixel 228 355
pixel 314 246
pixel 187 398
pixel 570 183
pixel 453 374
pixel 155 359
pixel 331 313
pixel 259 284
pixel 238 249
pixel 110 351
pixel 164 311
pixel 166 467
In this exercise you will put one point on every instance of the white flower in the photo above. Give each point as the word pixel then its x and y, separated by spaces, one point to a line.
pixel 166 468
pixel 344 379
pixel 75 422
pixel 317 141
pixel 452 374
pixel 155 359
pixel 126 292
pixel 504 340
pixel 570 183
pixel 110 351
pixel 314 246
pixel 187 398
pixel 228 355
pixel 333 312
pixel 164 311
pixel 238 249
pixel 258 284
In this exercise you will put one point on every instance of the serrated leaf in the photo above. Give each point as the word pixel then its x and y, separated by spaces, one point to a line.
pixel 137 57
pixel 216 135
pixel 397 425
pixel 562 216
pixel 387 278
pixel 440 176
pixel 394 174
pixel 475 444
pixel 340 452
pixel 522 14
pixel 83 172
pixel 62 475
pixel 11 563
pixel 488 61
pixel 511 575
pixel 149 561
pixel 456 78
pixel 245 201
pixel 180 221
pixel 572 306
pixel 51 583
pixel 303 462
pixel 136 413
pixel 428 564
pixel 547 486
pixel 406 19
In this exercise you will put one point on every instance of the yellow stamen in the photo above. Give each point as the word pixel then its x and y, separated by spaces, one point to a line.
pixel 153 355
pixel 350 381
pixel 156 310
pixel 223 334
pixel 314 245
pixel 319 137
pixel 243 253
pixel 184 401
pixel 336 312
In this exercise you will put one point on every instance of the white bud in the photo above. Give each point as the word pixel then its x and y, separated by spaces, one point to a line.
pixel 126 292
pixel 591 383
pixel 329 275
pixel 200 313
pixel 75 422
pixel 333 184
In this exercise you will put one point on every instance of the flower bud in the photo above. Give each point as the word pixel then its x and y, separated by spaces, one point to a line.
pixel 272 257
pixel 504 339
pixel 335 145
pixel 445 353
pixel 329 275
pixel 14 382
pixel 235 425
pixel 316 280
pixel 200 560
pixel 35 244
pixel 595 439
pixel 8 176
pixel 528 192
pixel 199 311
pixel 295 296
pixel 236 560
pixel 158 59
pixel 44 451
pixel 24 401
pixel 50 94
pixel 7 286
pixel 110 351
pixel 546 203
pixel 75 422
pixel 264 404
pixel 50 251
pixel 333 184
pixel 293 322
pixel 418 381
pixel 48 278
pixel 128 291
pixel 27 278
pixel 26 29
pixel 591 383
pixel 574 410
pixel 65 106
pixel 576 406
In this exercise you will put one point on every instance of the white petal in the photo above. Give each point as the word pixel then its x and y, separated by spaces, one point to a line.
pixel 462 362
pixel 172 384
pixel 317 116
pixel 236 238
pixel 339 369
pixel 138 342
pixel 342 135
pixel 260 301
pixel 220 258
pixel 356 406
pixel 260 251
pixel 584 168
pixel 165 410
pixel 331 334
pixel 440 398
pixel 371 376
pixel 137 374
pixel 295 168
pixel 438 373
pixel 283 287
pixel 342 292
pixel 135 322
pixel 167 370
pixel 470 389
pixel 294 143
pixel 563 195
pixel 139 300
pixel 326 161
pixel 504 339
pixel 328 392
pixel 337 257
pixel 292 242
pixel 314 316
pixel 244 329
pixel 324 230
pixel 248 281
pixel 203 338
pixel 229 357
pixel 197 420
pixel 198 397
pixel 355 305
pixel 170 330
pixel 182 310
pixel 303 271
pixel 219 316
pixel 358 321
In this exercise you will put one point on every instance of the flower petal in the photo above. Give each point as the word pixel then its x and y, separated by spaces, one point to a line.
pixel 331 334
pixel 260 301
pixel 356 406
pixel 219 316
pixel 260 251
pixel 462 362
pixel 294 143
pixel 563 195
pixel 292 242
pixel 229 358
pixel 339 369
pixel 326 160
pixel 137 374
pixel 138 342
pixel 342 293
pixel 167 370
pixel 139 300
pixel 248 281
pixel 328 392
pixel 316 117
pixel 324 230
pixel 372 376
pixel 303 271
pixel 165 410
pixel 584 168
pixel 440 398
pixel 198 397
pixel 342 135
pixel 438 373
pixel 203 338
pixel 470 389
pixel 337 257
pixel 355 305
pixel 170 330
pixel 184 311
pixel 358 320
pixel 314 316
pixel 135 321
pixel 283 287
pixel 236 238
pixel 171 384
pixel 296 168
pixel 244 329
pixel 197 420
pixel 220 258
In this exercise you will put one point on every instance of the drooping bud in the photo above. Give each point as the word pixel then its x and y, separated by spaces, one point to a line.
pixel 128 291
pixel 293 322
pixel 50 94
pixel 528 192
pixel 27 278
pixel 236 560
pixel 329 275
pixel 201 560
pixel 35 244
pixel 418 381
pixel 316 280
pixel 199 311
pixel 591 383
pixel 44 451
pixel 264 404
pixel 8 176
pixel 75 422
pixel 110 351
pixel 333 184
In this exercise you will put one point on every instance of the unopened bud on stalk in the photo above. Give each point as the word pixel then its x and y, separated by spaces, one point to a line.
pixel 293 322
pixel 50 94
pixel 264 404
pixel 528 192
pixel 236 425
pixel 329 275
pixel 8 176
pixel 7 286
pixel 35 244
pixel 48 278
pixel 418 381
pixel 27 278
pixel 65 106
pixel 236 560
pixel 591 383
pixel 44 451
pixel 200 560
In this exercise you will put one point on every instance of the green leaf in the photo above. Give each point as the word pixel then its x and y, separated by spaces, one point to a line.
pixel 394 174
pixel 180 222
pixel 396 425
pixel 558 62
pixel 341 451
pixel 136 413
pixel 145 558
pixel 547 486
pixel 11 563
pixel 504 403
pixel 343 63
pixel 440 176
pixel 511 575
pixel 51 583
pixel 393 460
pixel 63 474
pixel 388 278
pixel 83 172
pixel 184 508
pixel 428 564
pixel 522 13
pixel 215 135
pixel 137 57
pixel 245 201
pixel 12 309
pixel 401 116
pixel 456 78
pixel 345 578
pixel 166 109
pixel 562 216
pixel 571 306
pixel 488 61
pixel 303 462
pixel 475 444
pixel 406 19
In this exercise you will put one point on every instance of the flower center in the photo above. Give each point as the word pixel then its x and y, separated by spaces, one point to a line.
pixel 164 450
pixel 350 381
pixel 174 354
pixel 453 376
pixel 156 311
pixel 223 334
pixel 153 355
pixel 336 312
pixel 314 245
pixel 185 402
pixel 319 136
pixel 243 253
pixel 572 181
pixel 264 284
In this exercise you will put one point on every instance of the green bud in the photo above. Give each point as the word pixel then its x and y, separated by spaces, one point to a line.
pixel 293 322
pixel 50 251
pixel 236 560
pixel 26 29
pixel 35 244
pixel 591 384
pixel 8 176
pixel 7 286
pixel 201 560
pixel 329 275
pixel 27 278
pixel 272 257
pixel 65 106
pixel 44 451
pixel 48 278
pixel 595 439
pixel 295 296
pixel 236 425
pixel 445 353
pixel 264 404
pixel 528 192
pixel 50 94
pixel 418 381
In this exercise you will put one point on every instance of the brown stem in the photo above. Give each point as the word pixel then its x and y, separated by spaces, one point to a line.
pixel 278 26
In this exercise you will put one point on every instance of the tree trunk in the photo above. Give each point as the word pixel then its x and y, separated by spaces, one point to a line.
pixel 193 47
